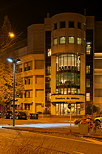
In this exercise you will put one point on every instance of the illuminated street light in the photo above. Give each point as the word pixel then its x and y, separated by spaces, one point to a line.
pixel 11 35
pixel 11 60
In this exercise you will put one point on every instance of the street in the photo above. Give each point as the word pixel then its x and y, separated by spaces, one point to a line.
pixel 24 142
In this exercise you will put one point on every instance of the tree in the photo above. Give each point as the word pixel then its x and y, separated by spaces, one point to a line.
pixel 6 84
pixel 90 109
pixel 6 70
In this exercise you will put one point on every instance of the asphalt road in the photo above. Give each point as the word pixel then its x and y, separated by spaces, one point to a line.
pixel 24 142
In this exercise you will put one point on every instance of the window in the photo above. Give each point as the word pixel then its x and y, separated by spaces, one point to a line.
pixel 19 68
pixel 79 41
pixel 71 39
pixel 55 26
pixel 87 96
pixel 88 83
pixel 62 40
pixel 62 24
pixel 27 106
pixel 79 25
pixel 88 49
pixel 49 52
pixel 27 80
pixel 39 64
pixel 28 66
pixel 67 73
pixel 48 70
pixel 27 94
pixel 55 41
pixel 71 24
pixel 88 69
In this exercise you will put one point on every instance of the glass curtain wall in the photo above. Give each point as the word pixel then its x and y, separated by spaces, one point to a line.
pixel 68 74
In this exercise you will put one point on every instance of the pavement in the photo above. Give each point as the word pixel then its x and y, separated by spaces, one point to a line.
pixel 57 125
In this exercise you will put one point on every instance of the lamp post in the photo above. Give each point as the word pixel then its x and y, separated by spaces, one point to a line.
pixel 11 60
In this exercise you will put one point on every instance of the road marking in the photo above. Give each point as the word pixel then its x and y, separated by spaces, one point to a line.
pixel 90 141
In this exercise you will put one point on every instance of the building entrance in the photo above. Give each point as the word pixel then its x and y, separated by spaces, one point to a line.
pixel 62 109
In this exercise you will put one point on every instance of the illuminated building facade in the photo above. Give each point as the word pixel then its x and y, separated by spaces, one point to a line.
pixel 72 73
pixel 68 64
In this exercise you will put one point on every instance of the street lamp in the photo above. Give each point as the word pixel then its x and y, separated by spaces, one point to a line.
pixel 11 35
pixel 11 60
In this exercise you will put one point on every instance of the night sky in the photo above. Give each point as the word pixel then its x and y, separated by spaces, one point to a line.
pixel 23 13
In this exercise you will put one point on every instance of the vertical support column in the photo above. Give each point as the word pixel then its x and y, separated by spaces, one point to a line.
pixel 33 104
pixel 53 74
pixel 53 82
pixel 82 81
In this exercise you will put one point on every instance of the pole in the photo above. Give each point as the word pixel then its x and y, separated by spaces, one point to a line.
pixel 14 75
pixel 70 119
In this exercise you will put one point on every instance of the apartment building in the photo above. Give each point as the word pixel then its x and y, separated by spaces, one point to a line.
pixel 31 69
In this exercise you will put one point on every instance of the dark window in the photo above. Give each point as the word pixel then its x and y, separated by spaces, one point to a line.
pixel 19 68
pixel 28 66
pixel 62 24
pixel 79 25
pixel 27 106
pixel 55 26
pixel 27 94
pixel 71 24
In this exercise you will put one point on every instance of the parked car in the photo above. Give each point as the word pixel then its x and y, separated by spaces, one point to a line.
pixel 7 114
pixel 19 115
pixel 99 119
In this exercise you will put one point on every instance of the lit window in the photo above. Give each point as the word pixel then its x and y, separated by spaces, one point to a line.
pixel 87 83
pixel 88 69
pixel 88 49
pixel 71 39
pixel 55 41
pixel 49 52
pixel 79 40
pixel 87 96
pixel 62 40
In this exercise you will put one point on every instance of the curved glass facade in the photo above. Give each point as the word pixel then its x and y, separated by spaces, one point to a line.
pixel 68 74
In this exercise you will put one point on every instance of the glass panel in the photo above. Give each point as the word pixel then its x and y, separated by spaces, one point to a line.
pixel 79 40
pixel 55 41
pixel 62 40
pixel 71 39
pixel 88 49
pixel 87 96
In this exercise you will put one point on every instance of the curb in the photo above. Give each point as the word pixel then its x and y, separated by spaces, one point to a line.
pixel 46 130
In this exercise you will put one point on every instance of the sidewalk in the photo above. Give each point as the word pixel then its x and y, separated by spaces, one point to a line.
pixel 60 130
